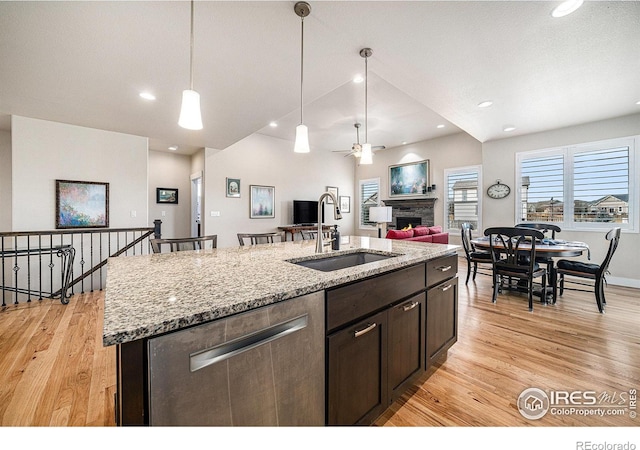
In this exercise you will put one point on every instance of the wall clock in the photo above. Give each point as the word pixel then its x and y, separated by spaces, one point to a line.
pixel 498 190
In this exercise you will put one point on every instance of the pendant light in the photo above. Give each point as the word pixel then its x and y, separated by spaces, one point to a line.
pixel 367 154
pixel 301 145
pixel 190 116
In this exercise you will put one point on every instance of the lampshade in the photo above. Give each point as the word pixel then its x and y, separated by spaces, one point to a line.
pixel 380 214
pixel 190 117
pixel 302 139
pixel 366 156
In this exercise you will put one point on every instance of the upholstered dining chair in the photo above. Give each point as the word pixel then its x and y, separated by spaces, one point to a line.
pixel 473 255
pixel 181 244
pixel 594 272
pixel 258 238
pixel 507 246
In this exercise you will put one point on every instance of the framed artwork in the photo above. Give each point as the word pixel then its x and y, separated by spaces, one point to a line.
pixel 166 195
pixel 233 187
pixel 263 202
pixel 334 191
pixel 345 204
pixel 82 204
pixel 410 179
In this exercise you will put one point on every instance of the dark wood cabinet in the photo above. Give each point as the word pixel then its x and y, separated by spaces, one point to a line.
pixel 383 333
pixel 405 341
pixel 357 388
pixel 442 319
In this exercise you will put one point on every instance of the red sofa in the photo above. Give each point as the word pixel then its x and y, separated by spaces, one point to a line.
pixel 420 234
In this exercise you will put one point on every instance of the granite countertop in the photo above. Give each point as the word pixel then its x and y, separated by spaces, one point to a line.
pixel 154 294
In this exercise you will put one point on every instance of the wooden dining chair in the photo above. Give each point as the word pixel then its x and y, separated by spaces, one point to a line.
pixel 311 235
pixel 473 255
pixel 181 244
pixel 508 245
pixel 594 272
pixel 258 238
pixel 545 228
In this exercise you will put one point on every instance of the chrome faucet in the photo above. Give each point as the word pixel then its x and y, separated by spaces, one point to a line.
pixel 336 216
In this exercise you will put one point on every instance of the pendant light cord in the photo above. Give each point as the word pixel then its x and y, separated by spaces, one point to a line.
pixel 366 96
pixel 191 52
pixel 301 67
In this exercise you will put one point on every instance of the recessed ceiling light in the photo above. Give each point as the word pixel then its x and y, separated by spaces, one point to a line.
pixel 147 96
pixel 440 126
pixel 509 128
pixel 173 148
pixel 273 124
pixel 566 8
pixel 638 102
pixel 485 104
pixel 404 142
pixel 358 79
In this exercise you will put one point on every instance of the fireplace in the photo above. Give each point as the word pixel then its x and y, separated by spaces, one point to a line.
pixel 418 211
pixel 403 222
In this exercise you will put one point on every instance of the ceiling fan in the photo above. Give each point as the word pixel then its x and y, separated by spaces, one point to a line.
pixel 356 149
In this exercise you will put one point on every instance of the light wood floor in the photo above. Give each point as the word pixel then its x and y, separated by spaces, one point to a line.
pixel 54 370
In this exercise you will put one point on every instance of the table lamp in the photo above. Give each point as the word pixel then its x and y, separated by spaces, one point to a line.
pixel 381 215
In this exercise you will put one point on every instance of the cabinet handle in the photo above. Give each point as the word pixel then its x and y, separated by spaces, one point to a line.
pixel 444 268
pixel 369 327
pixel 407 307
pixel 446 288
pixel 204 358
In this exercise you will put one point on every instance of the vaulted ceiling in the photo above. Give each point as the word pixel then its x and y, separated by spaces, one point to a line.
pixel 84 63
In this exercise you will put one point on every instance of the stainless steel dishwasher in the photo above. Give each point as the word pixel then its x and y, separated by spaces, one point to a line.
pixel 262 367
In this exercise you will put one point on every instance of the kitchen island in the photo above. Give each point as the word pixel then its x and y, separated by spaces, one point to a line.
pixel 153 300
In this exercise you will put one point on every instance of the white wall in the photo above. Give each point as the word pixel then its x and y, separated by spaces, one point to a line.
pixel 264 160
pixel 498 159
pixel 44 151
pixel 5 181
pixel 170 170
pixel 456 150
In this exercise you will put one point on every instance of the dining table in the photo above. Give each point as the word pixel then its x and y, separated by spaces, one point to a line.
pixel 545 248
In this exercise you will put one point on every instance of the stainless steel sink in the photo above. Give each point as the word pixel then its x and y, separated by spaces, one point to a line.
pixel 337 262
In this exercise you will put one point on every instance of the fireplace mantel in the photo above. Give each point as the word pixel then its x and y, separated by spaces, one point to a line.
pixel 411 203
pixel 412 207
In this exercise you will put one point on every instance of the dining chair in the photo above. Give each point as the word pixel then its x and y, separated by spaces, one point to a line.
pixel 545 228
pixel 507 246
pixel 595 272
pixel 181 244
pixel 311 235
pixel 258 238
pixel 473 255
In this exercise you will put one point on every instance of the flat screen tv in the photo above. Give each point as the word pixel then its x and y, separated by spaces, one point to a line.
pixel 305 212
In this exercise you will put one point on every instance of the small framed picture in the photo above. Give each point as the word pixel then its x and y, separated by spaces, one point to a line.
pixel 166 195
pixel 263 202
pixel 233 187
pixel 334 191
pixel 345 204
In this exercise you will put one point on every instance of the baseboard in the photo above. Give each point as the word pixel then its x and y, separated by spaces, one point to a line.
pixel 625 282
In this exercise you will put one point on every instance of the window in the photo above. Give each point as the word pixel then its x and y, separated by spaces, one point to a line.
pixel 587 186
pixel 369 193
pixel 463 199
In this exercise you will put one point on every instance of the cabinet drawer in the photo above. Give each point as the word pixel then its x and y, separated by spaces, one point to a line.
pixel 348 303
pixel 441 269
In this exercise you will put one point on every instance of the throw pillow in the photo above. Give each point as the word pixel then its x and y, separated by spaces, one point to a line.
pixel 435 230
pixel 420 231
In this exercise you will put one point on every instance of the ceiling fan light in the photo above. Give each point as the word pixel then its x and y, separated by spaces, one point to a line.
pixel 367 154
pixel 190 117
pixel 302 139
